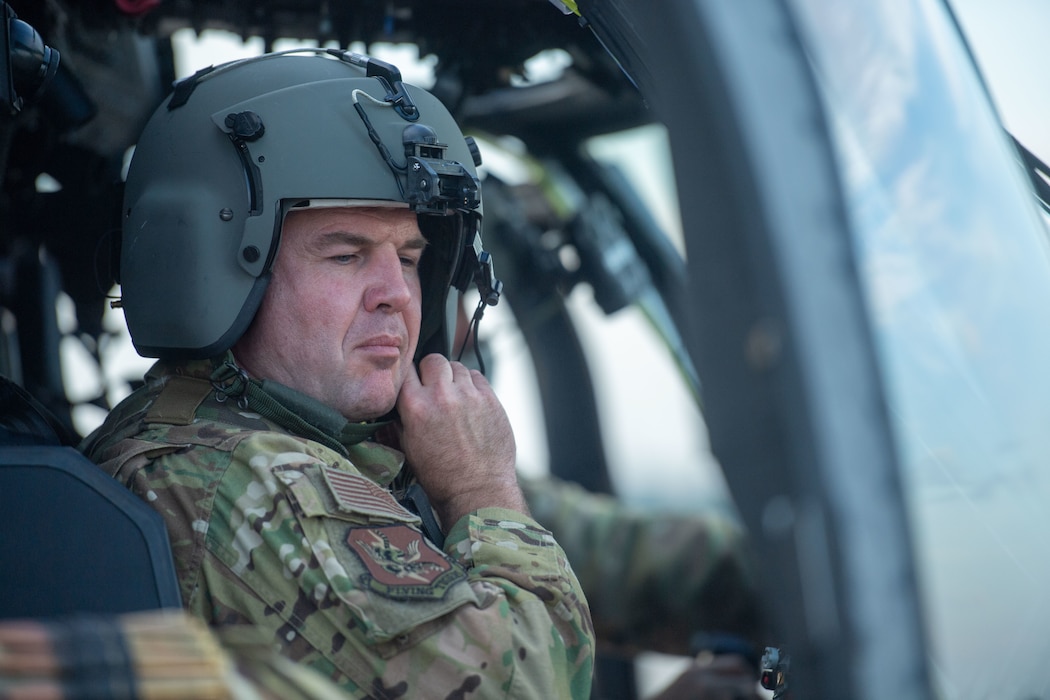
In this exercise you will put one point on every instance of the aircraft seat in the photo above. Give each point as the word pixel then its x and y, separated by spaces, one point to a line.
pixel 72 539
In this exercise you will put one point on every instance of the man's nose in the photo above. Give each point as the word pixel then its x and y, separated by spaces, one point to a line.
pixel 388 286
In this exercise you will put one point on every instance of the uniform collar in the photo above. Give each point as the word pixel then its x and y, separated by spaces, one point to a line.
pixel 290 409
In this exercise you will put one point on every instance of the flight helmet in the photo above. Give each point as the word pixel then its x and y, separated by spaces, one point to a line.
pixel 237 146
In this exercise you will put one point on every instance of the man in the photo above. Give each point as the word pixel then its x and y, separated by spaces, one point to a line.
pixel 292 227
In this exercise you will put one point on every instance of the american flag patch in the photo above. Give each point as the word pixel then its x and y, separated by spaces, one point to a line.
pixel 358 494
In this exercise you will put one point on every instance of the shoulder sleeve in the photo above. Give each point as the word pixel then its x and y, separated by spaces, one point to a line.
pixel 518 559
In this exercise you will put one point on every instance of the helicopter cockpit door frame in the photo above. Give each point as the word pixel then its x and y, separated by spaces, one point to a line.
pixel 791 387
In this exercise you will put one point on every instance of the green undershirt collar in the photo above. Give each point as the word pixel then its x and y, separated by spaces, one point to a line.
pixel 289 408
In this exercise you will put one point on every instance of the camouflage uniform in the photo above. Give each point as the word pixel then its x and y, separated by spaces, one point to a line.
pixel 281 516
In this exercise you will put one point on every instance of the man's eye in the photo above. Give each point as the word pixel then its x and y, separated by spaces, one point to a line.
pixel 408 261
pixel 344 259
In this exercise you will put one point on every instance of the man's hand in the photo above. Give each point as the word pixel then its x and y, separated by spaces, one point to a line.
pixel 458 439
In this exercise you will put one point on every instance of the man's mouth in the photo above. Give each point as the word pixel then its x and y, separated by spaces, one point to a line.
pixel 381 346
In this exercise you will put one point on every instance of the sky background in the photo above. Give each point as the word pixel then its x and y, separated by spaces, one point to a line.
pixel 1010 40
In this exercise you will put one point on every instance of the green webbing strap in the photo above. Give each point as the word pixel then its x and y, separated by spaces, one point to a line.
pixel 290 409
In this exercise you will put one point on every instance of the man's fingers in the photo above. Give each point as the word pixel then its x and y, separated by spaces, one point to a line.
pixel 434 369
pixel 480 380
pixel 460 373
pixel 412 380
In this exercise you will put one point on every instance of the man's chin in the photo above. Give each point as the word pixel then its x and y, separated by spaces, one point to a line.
pixel 369 414
pixel 361 412
pixel 370 400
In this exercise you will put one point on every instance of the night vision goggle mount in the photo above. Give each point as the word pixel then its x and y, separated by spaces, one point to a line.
pixel 433 184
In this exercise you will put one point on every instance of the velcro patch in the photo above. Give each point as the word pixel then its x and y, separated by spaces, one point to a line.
pixel 354 493
pixel 402 563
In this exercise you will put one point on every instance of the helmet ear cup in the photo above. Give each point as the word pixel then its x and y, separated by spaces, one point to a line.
pixel 438 268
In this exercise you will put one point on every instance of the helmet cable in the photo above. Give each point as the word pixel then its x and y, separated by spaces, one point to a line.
pixel 472 335
pixel 384 152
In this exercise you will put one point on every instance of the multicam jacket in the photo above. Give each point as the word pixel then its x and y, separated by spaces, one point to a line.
pixel 281 517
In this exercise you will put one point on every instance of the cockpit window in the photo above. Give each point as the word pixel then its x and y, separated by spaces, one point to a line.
pixel 643 156
pixel 953 255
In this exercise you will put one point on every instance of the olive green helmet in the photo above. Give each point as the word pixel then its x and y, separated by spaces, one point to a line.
pixel 237 146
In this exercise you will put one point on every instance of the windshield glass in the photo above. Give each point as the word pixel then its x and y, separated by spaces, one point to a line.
pixel 953 257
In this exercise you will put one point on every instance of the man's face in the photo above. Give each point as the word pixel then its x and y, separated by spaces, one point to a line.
pixel 340 318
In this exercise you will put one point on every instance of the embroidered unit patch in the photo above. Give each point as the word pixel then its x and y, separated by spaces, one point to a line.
pixel 403 564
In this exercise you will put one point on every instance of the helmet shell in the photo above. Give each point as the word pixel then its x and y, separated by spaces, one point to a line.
pixel 203 206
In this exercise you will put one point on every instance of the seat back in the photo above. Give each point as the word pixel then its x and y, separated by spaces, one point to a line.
pixel 72 539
